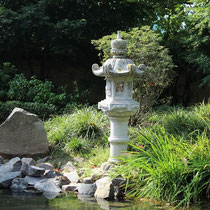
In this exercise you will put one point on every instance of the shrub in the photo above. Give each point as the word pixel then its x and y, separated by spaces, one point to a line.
pixel 33 93
pixel 144 47
pixel 7 72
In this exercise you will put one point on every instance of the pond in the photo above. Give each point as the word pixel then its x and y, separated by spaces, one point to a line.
pixel 27 201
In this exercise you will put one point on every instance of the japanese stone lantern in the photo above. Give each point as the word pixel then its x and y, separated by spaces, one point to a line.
pixel 119 72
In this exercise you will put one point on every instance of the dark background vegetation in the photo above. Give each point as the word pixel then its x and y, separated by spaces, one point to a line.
pixel 52 40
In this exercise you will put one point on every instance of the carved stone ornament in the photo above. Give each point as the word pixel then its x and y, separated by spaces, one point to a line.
pixel 118 105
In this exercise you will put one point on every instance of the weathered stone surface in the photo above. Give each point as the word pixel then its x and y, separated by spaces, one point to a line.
pixel 79 159
pixel 47 186
pixel 34 171
pixel 87 189
pixel 70 187
pixel 19 184
pixel 1 160
pixel 22 134
pixel 25 164
pixel 88 180
pixel 6 179
pixel 33 180
pixel 119 184
pixel 51 174
pixel 68 167
pixel 43 160
pixel 105 188
pixel 12 165
pixel 72 176
pixel 106 166
pixel 46 166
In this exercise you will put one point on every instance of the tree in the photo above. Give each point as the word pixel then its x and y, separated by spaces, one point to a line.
pixel 198 41
pixel 44 29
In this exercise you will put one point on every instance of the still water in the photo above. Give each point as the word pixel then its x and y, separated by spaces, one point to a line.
pixel 31 201
pixel 11 201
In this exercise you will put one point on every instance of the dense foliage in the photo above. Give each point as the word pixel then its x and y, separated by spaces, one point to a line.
pixel 40 97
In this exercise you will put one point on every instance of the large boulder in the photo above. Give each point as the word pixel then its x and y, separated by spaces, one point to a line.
pixel 22 134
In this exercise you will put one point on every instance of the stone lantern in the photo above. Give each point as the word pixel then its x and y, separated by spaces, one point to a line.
pixel 119 72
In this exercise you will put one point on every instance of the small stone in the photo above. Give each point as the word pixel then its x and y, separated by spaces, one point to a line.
pixel 25 164
pixel 87 189
pixel 43 159
pixel 68 167
pixel 119 184
pixel 6 179
pixel 96 173
pixel 29 161
pixel 106 166
pixel 88 180
pixel 72 176
pixel 79 159
pixel 19 184
pixel 46 166
pixel 12 165
pixel 70 187
pixel 33 180
pixel 47 186
pixel 35 171
pixel 52 174
pixel 105 188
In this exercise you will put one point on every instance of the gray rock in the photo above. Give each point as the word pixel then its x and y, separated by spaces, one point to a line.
pixel 50 195
pixel 106 166
pixel 105 188
pixel 47 186
pixel 33 180
pixel 57 181
pixel 68 167
pixel 119 185
pixel 1 160
pixel 22 134
pixel 6 179
pixel 51 174
pixel 19 184
pixel 46 166
pixel 43 160
pixel 88 180
pixel 96 173
pixel 72 176
pixel 12 165
pixel 70 187
pixel 29 161
pixel 87 189
pixel 78 159
pixel 34 171
pixel 25 164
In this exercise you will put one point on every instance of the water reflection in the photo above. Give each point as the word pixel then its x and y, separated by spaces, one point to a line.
pixel 35 201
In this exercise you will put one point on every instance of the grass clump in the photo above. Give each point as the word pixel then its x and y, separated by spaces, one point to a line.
pixel 170 157
pixel 78 132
